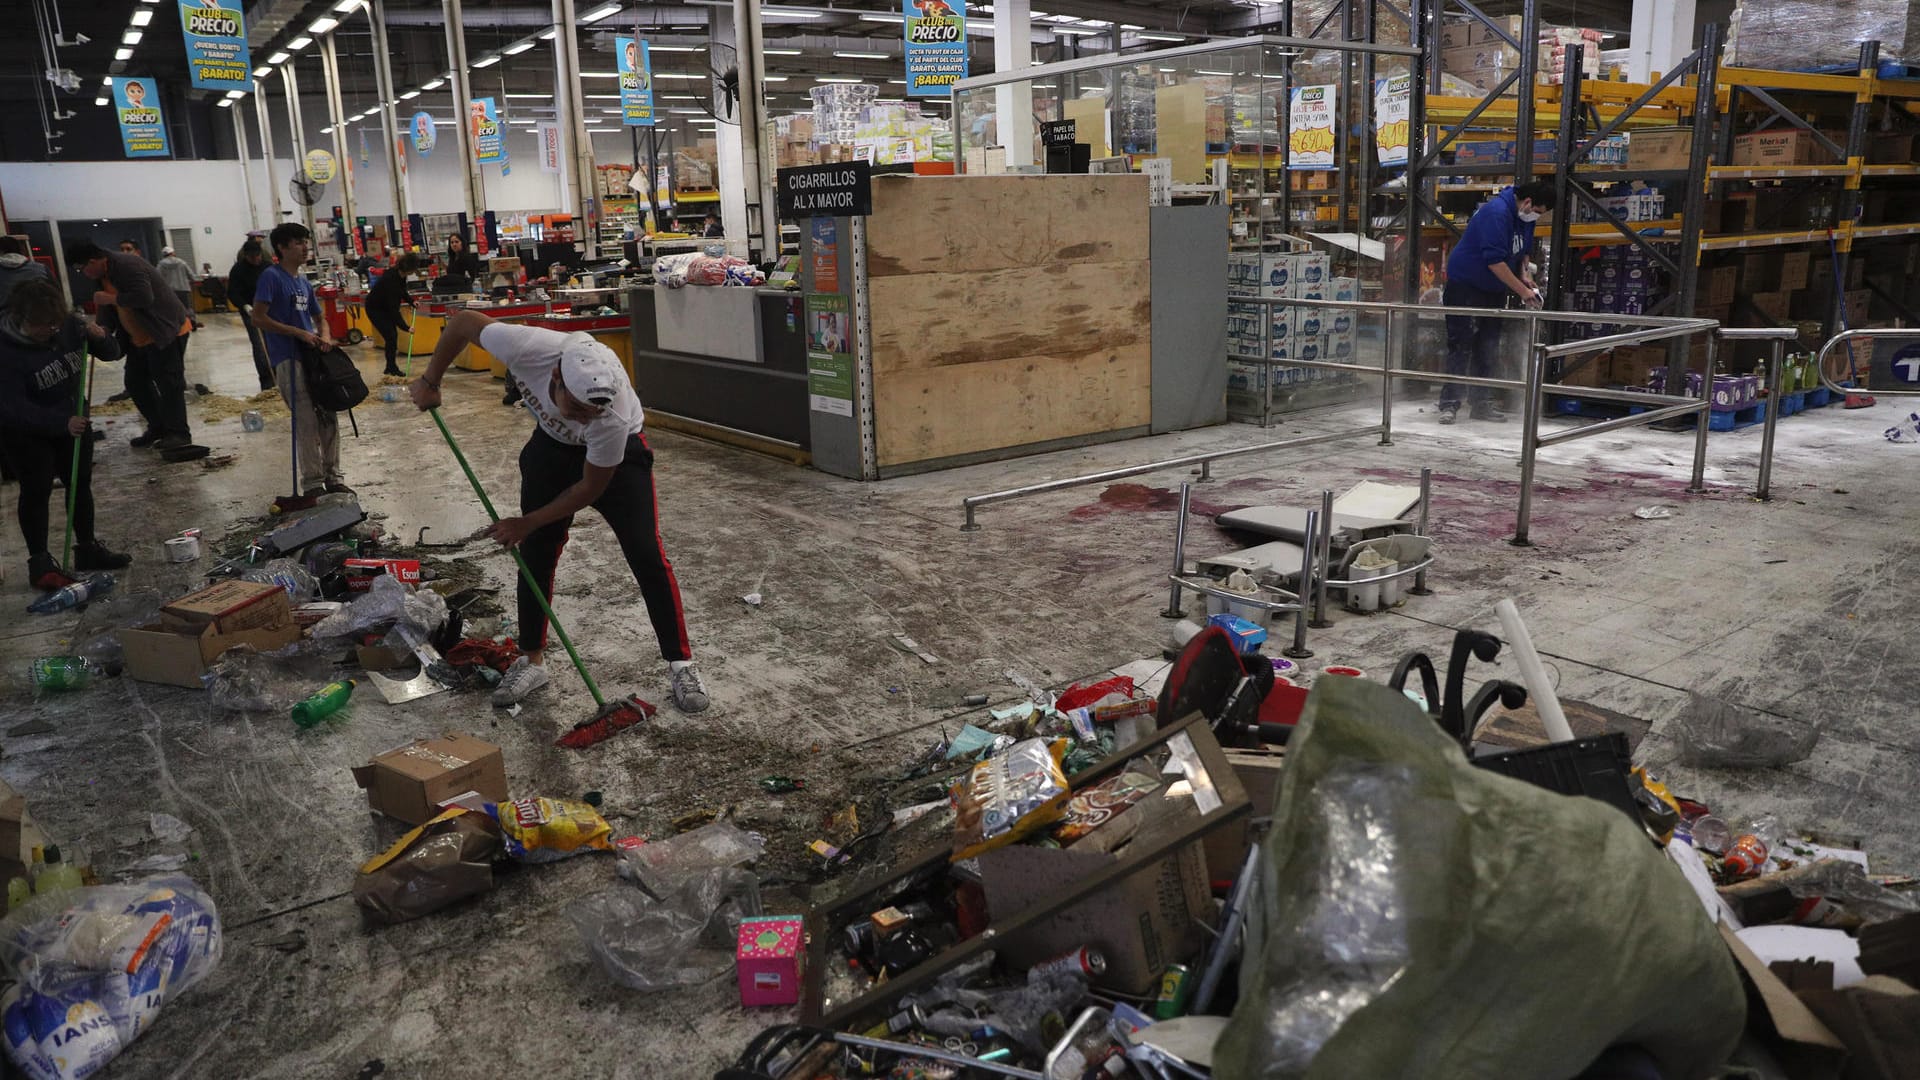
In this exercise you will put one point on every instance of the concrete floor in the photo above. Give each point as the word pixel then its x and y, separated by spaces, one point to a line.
pixel 1800 606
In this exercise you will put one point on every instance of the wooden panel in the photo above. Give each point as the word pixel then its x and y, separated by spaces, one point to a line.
pixel 1180 130
pixel 940 320
pixel 1089 116
pixel 937 413
pixel 950 224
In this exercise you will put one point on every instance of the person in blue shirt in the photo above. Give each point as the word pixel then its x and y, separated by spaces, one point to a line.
pixel 285 310
pixel 1487 266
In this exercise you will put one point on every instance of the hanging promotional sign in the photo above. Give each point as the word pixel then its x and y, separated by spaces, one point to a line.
pixel 548 134
pixel 423 136
pixel 1392 113
pixel 936 45
pixel 1310 127
pixel 137 104
pixel 829 354
pixel 320 166
pixel 489 139
pixel 216 37
pixel 636 81
pixel 365 155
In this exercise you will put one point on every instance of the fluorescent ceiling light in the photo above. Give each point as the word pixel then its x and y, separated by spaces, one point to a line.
pixel 601 97
pixel 531 97
pixel 299 43
pixel 673 48
pixel 1204 71
pixel 1154 35
pixel 262 71
pixel 525 123
pixel 345 7
pixel 132 37
pixel 603 75
pixel 782 52
pixel 123 54
pixel 141 16
pixel 851 55
pixel 1046 86
pixel 517 48
pixel 279 58
pixel 614 112
pixel 236 93
pixel 443 123
pixel 790 13
pixel 676 75
pixel 100 101
pixel 434 85
pixel 836 79
pixel 693 111
pixel 896 82
pixel 409 95
pixel 881 17
pixel 322 25
pixel 549 35
pixel 1169 69
pixel 678 97
pixel 775 78
pixel 1076 31
pixel 106 80
pixel 326 131
pixel 599 13
pixel 487 61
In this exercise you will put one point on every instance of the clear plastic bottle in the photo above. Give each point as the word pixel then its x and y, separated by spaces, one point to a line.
pixel 60 673
pixel 56 875
pixel 19 891
pixel 331 699
pixel 73 595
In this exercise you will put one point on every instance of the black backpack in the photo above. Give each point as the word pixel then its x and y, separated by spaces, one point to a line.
pixel 332 379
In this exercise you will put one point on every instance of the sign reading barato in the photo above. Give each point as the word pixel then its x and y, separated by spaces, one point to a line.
pixel 842 189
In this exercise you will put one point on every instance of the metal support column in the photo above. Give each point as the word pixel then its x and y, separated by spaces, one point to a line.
pixel 1420 529
pixel 1849 209
pixel 1530 440
pixel 389 121
pixel 1776 358
pixel 1526 91
pixel 1179 553
pixel 1424 32
pixel 337 116
pixel 1706 70
pixel 261 115
pixel 462 94
pixel 246 165
pixel 1325 560
pixel 297 128
pixel 1389 339
pixel 763 230
pixel 1701 426
pixel 582 192
pixel 1559 260
pixel 1298 650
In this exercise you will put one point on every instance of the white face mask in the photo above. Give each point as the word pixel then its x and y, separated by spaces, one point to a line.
pixel 1529 216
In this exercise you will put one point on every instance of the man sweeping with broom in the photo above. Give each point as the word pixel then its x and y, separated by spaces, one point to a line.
pixel 587 449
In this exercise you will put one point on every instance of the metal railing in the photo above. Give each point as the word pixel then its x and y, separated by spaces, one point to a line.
pixel 1847 337
pixel 1777 337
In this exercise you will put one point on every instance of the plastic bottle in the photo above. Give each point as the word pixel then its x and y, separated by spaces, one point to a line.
pixel 60 673
pixel 252 421
pixel 19 891
pixel 331 699
pixel 56 875
pixel 73 595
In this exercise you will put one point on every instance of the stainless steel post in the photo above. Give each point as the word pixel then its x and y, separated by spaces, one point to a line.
pixel 1699 484
pixel 246 164
pixel 1386 378
pixel 576 145
pixel 1325 558
pixel 1775 359
pixel 1426 501
pixel 298 129
pixel 389 123
pixel 1179 553
pixel 1529 441
pixel 261 114
pixel 1302 588
pixel 342 152
pixel 462 94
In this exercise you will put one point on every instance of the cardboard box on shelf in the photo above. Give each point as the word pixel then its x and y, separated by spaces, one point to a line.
pixel 1894 148
pixel 1778 149
pixel 1660 148
pixel 1859 306
pixel 1717 286
pixel 1777 306
pixel 1489 55
pixel 412 782
pixel 1760 271
pixel 1458 34
pixel 1794 269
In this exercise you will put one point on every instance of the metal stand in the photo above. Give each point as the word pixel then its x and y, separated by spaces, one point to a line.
pixel 1775 359
pixel 1324 560
pixel 1298 650
pixel 1174 610
pixel 1426 500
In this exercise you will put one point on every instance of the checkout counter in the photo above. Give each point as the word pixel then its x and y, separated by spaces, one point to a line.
pixel 725 362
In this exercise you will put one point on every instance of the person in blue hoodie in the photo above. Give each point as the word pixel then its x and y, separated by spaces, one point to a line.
pixel 1487 266
pixel 43 365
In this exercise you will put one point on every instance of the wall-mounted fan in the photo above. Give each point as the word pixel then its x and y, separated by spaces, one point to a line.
pixel 304 188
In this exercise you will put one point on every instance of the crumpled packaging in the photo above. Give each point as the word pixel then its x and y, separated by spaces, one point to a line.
pixel 444 861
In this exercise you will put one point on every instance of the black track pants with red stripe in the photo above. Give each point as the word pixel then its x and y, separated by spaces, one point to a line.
pixel 549 467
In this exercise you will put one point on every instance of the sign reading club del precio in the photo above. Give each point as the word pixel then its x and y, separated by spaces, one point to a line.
pixel 216 38
pixel 842 189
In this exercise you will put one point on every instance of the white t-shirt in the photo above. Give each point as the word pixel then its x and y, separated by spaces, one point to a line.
pixel 531 355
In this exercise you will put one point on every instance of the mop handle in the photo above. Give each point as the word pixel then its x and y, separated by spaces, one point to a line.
pixel 83 404
pixel 526 574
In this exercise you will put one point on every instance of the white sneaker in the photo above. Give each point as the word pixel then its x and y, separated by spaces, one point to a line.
pixel 689 691
pixel 523 678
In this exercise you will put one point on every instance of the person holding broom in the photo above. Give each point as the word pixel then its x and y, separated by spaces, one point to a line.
pixel 44 376
pixel 587 449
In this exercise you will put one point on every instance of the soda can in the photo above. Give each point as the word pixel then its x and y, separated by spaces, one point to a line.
pixel 859 939
pixel 1082 960
pixel 1747 855
pixel 1175 984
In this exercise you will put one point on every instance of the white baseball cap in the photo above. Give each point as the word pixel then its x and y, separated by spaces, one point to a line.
pixel 590 370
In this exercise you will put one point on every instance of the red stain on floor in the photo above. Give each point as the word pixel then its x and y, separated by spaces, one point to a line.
pixel 1139 497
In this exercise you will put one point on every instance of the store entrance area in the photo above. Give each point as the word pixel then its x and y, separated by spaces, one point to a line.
pixel 797 587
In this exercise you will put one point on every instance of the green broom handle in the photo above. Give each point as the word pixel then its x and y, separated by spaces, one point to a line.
pixel 525 573
pixel 82 405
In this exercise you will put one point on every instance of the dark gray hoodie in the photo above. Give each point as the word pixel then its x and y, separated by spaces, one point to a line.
pixel 15 269
pixel 38 385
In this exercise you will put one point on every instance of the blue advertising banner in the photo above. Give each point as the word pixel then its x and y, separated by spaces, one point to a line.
pixel 489 138
pixel 636 82
pixel 936 45
pixel 142 132
pixel 423 134
pixel 216 44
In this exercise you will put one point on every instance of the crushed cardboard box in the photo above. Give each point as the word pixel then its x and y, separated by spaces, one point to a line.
pixel 413 782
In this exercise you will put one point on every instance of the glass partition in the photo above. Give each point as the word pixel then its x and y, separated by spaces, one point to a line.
pixel 1305 141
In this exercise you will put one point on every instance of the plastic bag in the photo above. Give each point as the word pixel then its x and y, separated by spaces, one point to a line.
pixel 671 270
pixel 388 600
pixel 95 966
pixel 1718 734
pixel 446 860
pixel 657 867
pixel 1417 916
pixel 542 830
pixel 1008 796
pixel 97 637
pixel 685 939
pixel 301 586
pixel 245 681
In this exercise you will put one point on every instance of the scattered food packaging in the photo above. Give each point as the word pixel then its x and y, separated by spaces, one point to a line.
pixel 359 573
pixel 541 830
pixel 767 960
pixel 889 921
pixel 413 782
pixel 1009 796
pixel 446 860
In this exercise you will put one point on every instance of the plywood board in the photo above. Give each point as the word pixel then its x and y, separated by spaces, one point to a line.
pixel 940 320
pixel 1180 130
pixel 950 224
pixel 933 413
pixel 1089 116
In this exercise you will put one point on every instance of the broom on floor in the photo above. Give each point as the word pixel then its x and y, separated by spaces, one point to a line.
pixel 611 716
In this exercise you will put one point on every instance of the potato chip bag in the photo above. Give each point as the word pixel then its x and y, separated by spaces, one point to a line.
pixel 539 830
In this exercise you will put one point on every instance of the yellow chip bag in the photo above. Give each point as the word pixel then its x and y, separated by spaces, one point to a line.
pixel 541 830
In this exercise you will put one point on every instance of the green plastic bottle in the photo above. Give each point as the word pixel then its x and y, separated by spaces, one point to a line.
pixel 331 699
pixel 19 891
pixel 60 673
pixel 56 875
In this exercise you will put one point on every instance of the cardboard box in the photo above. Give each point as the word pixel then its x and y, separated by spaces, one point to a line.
pixel 1760 271
pixel 1794 269
pixel 1893 149
pixel 179 655
pixel 1782 1022
pixel 18 834
pixel 1458 35
pixel 1859 304
pixel 231 606
pixel 1777 149
pixel 1717 286
pixel 1660 148
pixel 1631 365
pixel 411 782
pixel 1259 772
pixel 1489 55
pixel 1776 306
pixel 1591 369
pixel 767 959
